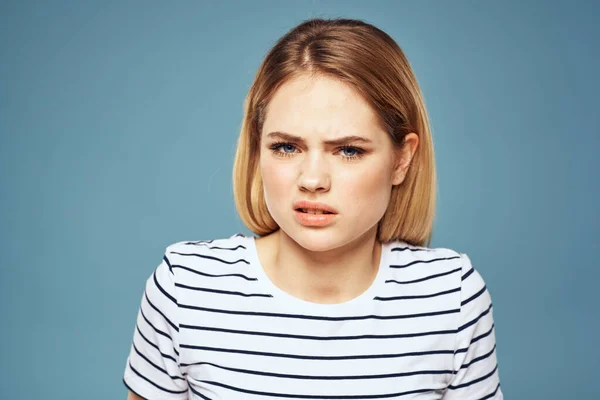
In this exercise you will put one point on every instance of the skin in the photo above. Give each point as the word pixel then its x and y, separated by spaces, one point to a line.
pixel 338 262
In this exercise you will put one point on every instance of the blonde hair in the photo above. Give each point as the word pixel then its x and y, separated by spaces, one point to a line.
pixel 369 60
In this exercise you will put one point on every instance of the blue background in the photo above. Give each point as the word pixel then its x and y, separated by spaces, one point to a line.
pixel 118 127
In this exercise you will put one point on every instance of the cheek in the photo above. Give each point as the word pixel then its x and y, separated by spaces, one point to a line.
pixel 276 178
pixel 369 188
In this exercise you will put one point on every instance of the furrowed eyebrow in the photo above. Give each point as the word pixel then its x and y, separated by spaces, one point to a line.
pixel 332 142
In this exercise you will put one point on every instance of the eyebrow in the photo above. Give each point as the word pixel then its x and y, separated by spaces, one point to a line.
pixel 332 142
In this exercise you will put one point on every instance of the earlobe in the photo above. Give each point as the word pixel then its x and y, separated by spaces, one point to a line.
pixel 404 156
pixel 399 175
pixel 399 169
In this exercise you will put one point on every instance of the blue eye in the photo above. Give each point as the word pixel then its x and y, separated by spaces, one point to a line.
pixel 352 149
pixel 355 152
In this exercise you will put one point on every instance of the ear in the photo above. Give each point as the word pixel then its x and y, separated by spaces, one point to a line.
pixel 403 157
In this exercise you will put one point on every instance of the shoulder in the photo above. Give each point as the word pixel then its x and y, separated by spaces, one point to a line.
pixel 232 242
pixel 407 255
pixel 442 268
pixel 197 255
pixel 418 261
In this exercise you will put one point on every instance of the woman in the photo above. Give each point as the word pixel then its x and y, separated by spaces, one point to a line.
pixel 337 297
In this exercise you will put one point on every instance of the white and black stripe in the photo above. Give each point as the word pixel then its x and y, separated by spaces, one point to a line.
pixel 211 325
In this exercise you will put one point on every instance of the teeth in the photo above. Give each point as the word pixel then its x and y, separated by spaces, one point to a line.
pixel 309 211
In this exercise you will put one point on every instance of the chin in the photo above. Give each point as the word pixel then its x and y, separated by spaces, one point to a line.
pixel 316 245
pixel 316 239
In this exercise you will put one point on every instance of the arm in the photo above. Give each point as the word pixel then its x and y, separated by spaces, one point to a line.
pixel 475 363
pixel 133 396
pixel 152 369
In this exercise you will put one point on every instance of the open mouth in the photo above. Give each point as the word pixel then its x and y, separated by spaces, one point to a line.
pixel 310 211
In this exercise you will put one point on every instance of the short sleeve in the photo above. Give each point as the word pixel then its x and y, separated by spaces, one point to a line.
pixel 475 364
pixel 152 368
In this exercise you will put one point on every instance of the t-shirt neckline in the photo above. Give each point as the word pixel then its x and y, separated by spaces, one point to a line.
pixel 289 301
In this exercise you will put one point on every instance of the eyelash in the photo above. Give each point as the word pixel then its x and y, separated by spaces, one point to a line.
pixel 277 145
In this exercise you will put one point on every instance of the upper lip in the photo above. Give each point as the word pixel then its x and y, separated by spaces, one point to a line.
pixel 313 205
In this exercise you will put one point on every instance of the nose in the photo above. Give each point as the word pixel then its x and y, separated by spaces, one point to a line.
pixel 314 174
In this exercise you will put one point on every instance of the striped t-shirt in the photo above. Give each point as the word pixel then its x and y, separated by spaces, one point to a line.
pixel 211 325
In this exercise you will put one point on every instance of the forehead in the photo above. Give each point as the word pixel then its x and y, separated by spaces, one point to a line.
pixel 320 106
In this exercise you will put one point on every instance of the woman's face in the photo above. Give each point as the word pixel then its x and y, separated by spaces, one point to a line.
pixel 355 180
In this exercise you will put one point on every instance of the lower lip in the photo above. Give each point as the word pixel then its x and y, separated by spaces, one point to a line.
pixel 308 219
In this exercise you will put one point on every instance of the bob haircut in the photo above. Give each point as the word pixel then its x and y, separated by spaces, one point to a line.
pixel 370 61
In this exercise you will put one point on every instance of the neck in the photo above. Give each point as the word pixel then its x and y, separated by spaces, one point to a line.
pixel 332 276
